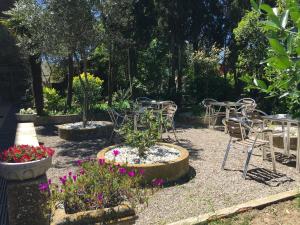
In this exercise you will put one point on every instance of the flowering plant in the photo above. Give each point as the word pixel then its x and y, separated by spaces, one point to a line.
pixel 96 185
pixel 25 153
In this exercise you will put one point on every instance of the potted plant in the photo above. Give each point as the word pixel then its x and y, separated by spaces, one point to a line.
pixel 26 115
pixel 97 192
pixel 24 162
pixel 142 149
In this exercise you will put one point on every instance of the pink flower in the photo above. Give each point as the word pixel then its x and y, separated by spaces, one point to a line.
pixel 100 196
pixel 101 162
pixel 74 178
pixel 81 171
pixel 158 182
pixel 79 162
pixel 142 171
pixel 122 171
pixel 116 152
pixel 131 173
pixel 43 187
pixel 63 180
pixel 70 174
pixel 49 181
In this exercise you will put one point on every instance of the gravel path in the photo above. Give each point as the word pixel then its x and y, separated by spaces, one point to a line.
pixel 208 189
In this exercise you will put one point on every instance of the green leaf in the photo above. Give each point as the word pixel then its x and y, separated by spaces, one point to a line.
pixel 254 5
pixel 267 9
pixel 280 62
pixel 274 19
pixel 277 47
pixel 270 25
pixel 262 84
pixel 284 19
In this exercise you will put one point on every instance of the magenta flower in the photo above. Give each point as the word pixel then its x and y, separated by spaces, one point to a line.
pixel 79 162
pixel 49 181
pixel 101 162
pixel 81 171
pixel 111 169
pixel 122 171
pixel 74 178
pixel 131 173
pixel 142 172
pixel 63 180
pixel 70 174
pixel 100 197
pixel 43 187
pixel 116 152
pixel 158 182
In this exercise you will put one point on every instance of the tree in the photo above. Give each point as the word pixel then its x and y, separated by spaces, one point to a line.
pixel 282 30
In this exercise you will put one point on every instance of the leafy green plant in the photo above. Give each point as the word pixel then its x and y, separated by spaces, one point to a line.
pixel 145 133
pixel 54 103
pixel 96 185
pixel 282 30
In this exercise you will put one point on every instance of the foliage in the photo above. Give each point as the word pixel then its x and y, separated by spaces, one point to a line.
pixel 54 103
pixel 25 153
pixel 96 185
pixel 28 111
pixel 93 92
pixel 282 30
pixel 146 134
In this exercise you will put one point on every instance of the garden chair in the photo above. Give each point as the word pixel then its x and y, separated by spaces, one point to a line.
pixel 243 135
pixel 211 113
pixel 168 113
pixel 143 102
pixel 118 120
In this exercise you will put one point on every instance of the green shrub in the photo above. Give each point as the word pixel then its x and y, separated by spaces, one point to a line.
pixel 54 103
pixel 94 89
pixel 147 135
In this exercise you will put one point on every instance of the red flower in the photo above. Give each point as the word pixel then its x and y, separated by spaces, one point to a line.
pixel 25 153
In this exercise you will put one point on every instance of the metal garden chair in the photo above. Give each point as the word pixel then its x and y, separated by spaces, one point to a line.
pixel 243 135
pixel 168 113
pixel 211 114
pixel 118 120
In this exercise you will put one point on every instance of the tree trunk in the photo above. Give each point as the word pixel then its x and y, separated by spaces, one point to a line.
pixel 179 77
pixel 109 80
pixel 174 58
pixel 70 80
pixel 132 66
pixel 36 73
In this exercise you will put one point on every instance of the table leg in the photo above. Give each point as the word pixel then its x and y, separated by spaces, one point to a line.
pixel 264 137
pixel 284 138
pixel 288 141
pixel 227 117
pixel 298 150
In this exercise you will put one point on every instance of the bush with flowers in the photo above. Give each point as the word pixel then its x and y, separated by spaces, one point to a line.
pixel 96 185
pixel 25 153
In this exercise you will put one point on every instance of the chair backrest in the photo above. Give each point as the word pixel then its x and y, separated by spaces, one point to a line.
pixel 169 109
pixel 237 127
pixel 143 101
pixel 206 102
pixel 116 118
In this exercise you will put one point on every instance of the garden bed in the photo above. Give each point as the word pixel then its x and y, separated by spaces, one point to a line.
pixel 166 161
pixel 56 119
pixel 76 131
pixel 121 214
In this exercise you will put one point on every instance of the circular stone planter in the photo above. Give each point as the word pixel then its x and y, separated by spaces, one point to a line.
pixel 278 140
pixel 71 132
pixel 25 170
pixel 169 171
pixel 25 117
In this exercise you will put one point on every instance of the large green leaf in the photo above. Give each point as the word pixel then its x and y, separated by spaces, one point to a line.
pixel 267 9
pixel 277 47
pixel 284 19
pixel 280 62
pixel 254 5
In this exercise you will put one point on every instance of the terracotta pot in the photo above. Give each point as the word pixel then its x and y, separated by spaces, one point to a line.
pixel 25 170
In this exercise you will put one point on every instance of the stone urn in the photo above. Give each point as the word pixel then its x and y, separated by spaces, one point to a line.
pixel 25 170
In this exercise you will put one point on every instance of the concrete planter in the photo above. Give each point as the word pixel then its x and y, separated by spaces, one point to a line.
pixel 25 170
pixel 25 117
pixel 170 171
pixel 102 131
pixel 58 119
pixel 122 214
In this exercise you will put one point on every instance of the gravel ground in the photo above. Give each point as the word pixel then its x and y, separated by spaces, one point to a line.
pixel 208 188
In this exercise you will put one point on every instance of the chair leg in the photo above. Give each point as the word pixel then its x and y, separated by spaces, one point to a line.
pixel 250 150
pixel 226 153
pixel 272 152
pixel 174 131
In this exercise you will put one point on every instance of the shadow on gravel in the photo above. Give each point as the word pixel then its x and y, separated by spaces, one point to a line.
pixel 49 130
pixel 187 178
pixel 195 153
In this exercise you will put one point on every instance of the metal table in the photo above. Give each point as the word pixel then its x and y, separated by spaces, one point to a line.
pixel 287 120
pixel 227 105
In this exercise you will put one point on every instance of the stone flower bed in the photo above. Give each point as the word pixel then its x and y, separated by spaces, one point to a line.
pixel 165 161
pixel 76 131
